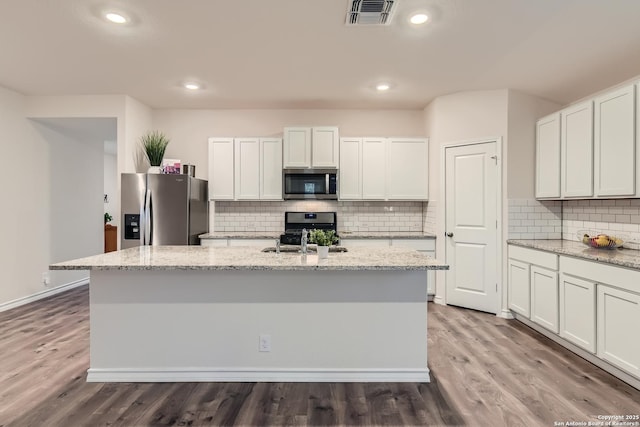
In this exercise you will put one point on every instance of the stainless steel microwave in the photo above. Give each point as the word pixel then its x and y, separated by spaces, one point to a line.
pixel 310 184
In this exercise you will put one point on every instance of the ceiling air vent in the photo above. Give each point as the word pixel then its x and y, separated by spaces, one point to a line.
pixel 370 12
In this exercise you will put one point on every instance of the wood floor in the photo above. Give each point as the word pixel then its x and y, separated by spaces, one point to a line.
pixel 486 371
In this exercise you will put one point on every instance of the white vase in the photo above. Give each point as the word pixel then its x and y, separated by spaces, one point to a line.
pixel 323 252
pixel 153 169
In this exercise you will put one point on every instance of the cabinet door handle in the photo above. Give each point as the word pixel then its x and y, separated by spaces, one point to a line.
pixel 449 234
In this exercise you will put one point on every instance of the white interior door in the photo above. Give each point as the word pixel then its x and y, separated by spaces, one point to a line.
pixel 471 191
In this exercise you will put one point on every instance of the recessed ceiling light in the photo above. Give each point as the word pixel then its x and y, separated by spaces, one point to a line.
pixel 381 87
pixel 192 86
pixel 419 18
pixel 116 18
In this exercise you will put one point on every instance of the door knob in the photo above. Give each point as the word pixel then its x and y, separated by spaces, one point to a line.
pixel 449 234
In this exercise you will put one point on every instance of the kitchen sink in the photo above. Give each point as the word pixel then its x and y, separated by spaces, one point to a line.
pixel 296 249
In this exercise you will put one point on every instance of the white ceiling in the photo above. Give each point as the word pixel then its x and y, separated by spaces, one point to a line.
pixel 300 53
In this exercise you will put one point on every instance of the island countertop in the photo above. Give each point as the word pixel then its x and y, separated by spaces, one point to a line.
pixel 250 258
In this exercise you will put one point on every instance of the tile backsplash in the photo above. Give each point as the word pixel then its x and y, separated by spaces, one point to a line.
pixel 554 219
pixel 535 219
pixel 352 216
pixel 618 217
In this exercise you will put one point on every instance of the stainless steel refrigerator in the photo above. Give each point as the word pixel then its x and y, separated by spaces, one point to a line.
pixel 162 209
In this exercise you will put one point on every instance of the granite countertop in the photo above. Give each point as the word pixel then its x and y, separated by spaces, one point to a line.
pixel 250 258
pixel 623 257
pixel 343 234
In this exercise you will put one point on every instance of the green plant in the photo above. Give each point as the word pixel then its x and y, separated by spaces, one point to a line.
pixel 154 144
pixel 107 217
pixel 323 237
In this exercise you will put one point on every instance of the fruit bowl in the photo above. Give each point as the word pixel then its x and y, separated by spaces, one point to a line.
pixel 599 240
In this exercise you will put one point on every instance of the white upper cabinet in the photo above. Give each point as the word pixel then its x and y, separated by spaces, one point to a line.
pixel 350 180
pixel 297 147
pixel 384 169
pixel 407 165
pixel 306 147
pixel 374 165
pixel 325 147
pixel 221 170
pixel 247 169
pixel 548 157
pixel 615 145
pixel 270 169
pixel 577 150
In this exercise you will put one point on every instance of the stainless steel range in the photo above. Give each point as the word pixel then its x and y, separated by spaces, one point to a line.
pixel 294 222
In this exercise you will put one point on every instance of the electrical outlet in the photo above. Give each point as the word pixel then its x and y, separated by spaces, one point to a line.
pixel 264 343
pixel 46 280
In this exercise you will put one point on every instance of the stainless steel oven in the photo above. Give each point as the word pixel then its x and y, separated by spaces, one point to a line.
pixel 310 184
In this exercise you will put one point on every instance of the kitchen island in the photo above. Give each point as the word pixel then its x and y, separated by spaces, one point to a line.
pixel 196 313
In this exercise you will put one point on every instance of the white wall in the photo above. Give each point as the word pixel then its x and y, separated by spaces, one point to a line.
pixel 189 129
pixel 462 117
pixel 466 116
pixel 24 216
pixel 76 188
pixel 137 121
pixel 57 193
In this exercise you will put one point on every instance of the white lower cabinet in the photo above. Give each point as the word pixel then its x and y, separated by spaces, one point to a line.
pixel 358 243
pixel 544 297
pixel 425 246
pixel 224 242
pixel 618 321
pixel 218 243
pixel 519 291
pixel 578 311
pixel 533 285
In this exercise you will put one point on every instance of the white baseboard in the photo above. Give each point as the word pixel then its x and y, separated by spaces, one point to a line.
pixel 43 294
pixel 439 300
pixel 616 372
pixel 257 375
pixel 505 314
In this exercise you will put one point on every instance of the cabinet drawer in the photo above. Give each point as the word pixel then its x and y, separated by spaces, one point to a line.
pixel 533 256
pixel 619 277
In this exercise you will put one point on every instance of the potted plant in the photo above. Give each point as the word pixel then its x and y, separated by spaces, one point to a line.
pixel 107 218
pixel 324 239
pixel 154 144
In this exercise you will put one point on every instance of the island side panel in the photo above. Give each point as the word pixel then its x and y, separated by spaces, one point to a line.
pixel 205 325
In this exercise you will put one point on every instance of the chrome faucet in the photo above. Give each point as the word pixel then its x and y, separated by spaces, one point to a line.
pixel 303 241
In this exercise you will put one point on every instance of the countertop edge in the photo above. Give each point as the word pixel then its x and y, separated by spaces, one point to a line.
pixel 575 249
pixel 251 268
